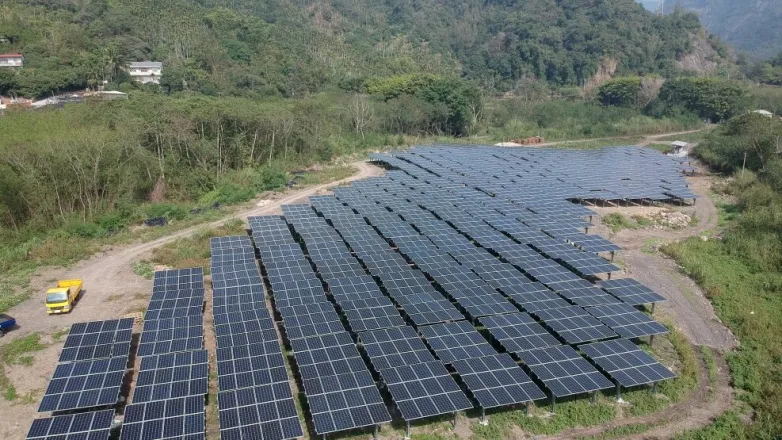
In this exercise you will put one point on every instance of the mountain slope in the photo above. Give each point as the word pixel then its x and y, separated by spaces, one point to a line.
pixel 291 47
pixel 752 26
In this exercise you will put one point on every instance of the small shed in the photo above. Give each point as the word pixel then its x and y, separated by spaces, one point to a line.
pixel 679 148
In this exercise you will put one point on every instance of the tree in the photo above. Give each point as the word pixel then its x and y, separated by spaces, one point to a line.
pixel 621 92
pixel 711 98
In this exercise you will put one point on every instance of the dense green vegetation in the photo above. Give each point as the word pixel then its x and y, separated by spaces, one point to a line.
pixel 265 48
pixel 742 271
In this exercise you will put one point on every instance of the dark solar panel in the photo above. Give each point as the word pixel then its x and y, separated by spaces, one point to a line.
pixel 84 384
pixel 456 340
pixel 172 335
pixel 345 401
pixel 262 412
pixel 518 332
pixel 85 426
pixel 627 321
pixel 631 291
pixel 172 375
pixel 182 418
pixel 251 365
pixel 563 371
pixel 626 363
pixel 496 380
pixel 574 325
pixel 423 390
pixel 395 347
pixel 97 340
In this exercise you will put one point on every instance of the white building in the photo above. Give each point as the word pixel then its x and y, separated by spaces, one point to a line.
pixel 11 60
pixel 146 71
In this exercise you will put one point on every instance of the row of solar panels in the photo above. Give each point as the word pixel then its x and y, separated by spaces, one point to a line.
pixel 254 398
pixel 168 401
pixel 340 391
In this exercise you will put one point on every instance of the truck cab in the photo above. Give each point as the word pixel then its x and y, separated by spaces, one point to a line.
pixel 60 299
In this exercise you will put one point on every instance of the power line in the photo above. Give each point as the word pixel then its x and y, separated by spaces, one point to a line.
pixel 660 7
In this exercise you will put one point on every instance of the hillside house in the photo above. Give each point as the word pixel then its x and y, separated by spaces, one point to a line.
pixel 146 71
pixel 11 60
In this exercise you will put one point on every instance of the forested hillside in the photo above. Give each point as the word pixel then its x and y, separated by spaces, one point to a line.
pixel 751 27
pixel 293 47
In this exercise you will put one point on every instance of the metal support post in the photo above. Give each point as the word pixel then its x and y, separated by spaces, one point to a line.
pixel 609 275
pixel 619 393
pixel 527 409
pixel 484 421
pixel 407 430
pixel 553 404
pixel 651 340
pixel 375 432
pixel 654 388
pixel 613 254
pixel 654 305
pixel 594 397
pixel 455 414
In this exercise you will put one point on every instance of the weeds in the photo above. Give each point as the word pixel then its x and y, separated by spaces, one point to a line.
pixel 17 352
pixel 326 175
pixel 194 251
pixel 711 366
pixel 144 269
pixel 617 222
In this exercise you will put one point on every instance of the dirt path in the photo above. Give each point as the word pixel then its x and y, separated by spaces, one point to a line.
pixel 687 306
pixel 704 403
pixel 647 139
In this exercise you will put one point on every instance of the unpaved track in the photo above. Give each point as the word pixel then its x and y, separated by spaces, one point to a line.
pixel 108 275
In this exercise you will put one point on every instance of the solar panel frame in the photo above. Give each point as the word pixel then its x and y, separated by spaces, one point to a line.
pixel 626 363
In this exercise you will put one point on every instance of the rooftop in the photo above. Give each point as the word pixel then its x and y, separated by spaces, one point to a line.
pixel 146 65
pixel 11 55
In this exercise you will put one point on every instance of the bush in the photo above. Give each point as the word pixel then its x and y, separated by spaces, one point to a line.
pixel 83 229
pixel 620 91
pixel 271 178
pixel 167 210
pixel 711 98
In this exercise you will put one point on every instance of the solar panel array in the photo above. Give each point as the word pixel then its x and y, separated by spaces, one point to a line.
pixel 254 398
pixel 91 368
pixel 169 397
pixel 416 297
pixel 627 364
pixel 340 391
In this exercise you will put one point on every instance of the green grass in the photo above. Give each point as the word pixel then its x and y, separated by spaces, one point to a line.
pixel 193 251
pixel 580 412
pixel 144 269
pixel 662 148
pixel 620 431
pixel 617 222
pixel 17 352
pixel 651 246
pixel 748 301
pixel 59 334
pixel 711 366
pixel 689 137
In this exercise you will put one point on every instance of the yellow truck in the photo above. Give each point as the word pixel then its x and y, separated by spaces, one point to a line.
pixel 60 299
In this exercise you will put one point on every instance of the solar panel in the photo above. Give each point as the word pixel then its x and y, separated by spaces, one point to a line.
pixel 250 365
pixel 172 335
pixel 496 380
pixel 310 320
pixel 172 375
pixel 98 340
pixel 423 390
pixel 182 418
pixel 394 347
pixel 456 340
pixel 518 332
pixel 262 412
pixel 563 371
pixel 574 325
pixel 626 363
pixel 85 384
pixel 178 279
pixel 587 296
pixel 85 426
pixel 631 291
pixel 371 314
pixel 345 401
pixel 627 321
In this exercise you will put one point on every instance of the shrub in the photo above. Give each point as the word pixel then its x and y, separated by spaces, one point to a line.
pixel 167 210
